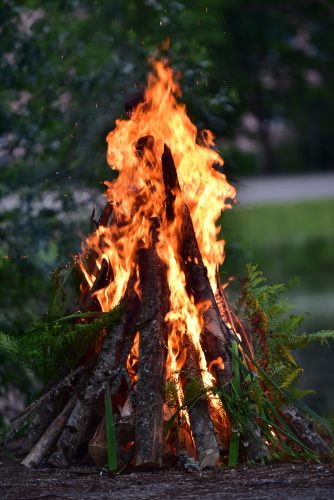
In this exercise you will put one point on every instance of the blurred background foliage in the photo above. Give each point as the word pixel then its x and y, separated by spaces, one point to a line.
pixel 258 73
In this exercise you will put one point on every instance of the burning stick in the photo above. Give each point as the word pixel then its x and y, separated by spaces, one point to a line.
pixel 216 336
pixel 105 275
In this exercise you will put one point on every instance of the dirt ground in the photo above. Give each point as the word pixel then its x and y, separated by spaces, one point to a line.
pixel 280 481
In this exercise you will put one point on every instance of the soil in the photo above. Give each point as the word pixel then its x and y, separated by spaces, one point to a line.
pixel 280 481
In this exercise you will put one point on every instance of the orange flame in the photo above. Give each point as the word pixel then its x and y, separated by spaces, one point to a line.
pixel 138 194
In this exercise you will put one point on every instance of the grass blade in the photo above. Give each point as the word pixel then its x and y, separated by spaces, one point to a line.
pixel 110 432
pixel 235 435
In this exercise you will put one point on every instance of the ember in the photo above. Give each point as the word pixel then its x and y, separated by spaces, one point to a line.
pixel 154 256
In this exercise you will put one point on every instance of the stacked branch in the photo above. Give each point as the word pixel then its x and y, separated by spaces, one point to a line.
pixel 70 415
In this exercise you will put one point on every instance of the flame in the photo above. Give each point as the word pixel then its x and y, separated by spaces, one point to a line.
pixel 135 147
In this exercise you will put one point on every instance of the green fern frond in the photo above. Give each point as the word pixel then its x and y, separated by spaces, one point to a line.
pixel 8 344
pixel 290 377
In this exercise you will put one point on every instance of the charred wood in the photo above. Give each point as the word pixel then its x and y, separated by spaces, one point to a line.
pixel 216 336
pixel 89 302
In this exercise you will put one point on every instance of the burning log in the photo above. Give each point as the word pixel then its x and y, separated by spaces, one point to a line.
pixel 200 420
pixel 152 359
pixel 215 337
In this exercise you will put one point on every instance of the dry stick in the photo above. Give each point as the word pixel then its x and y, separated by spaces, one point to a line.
pixel 44 400
pixel 50 436
pixel 200 420
pixel 304 431
pixel 152 360
pixel 109 364
pixel 216 336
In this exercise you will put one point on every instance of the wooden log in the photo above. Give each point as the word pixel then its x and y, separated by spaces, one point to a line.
pixel 149 422
pixel 111 359
pixel 50 436
pixel 216 336
pixel 305 432
pixel 200 420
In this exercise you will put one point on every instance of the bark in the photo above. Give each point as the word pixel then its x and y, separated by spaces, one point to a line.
pixel 149 423
pixel 50 436
pixel 305 432
pixel 200 420
pixel 109 365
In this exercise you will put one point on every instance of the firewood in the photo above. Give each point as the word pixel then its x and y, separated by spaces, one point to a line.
pixel 67 383
pixel 152 360
pixel 201 424
pixel 112 356
pixel 50 436
pixel 304 431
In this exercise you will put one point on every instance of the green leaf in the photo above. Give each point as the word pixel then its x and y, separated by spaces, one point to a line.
pixel 110 432
pixel 235 434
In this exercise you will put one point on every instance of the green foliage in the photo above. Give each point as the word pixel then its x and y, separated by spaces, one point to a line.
pixel 236 390
pixel 274 335
pixel 56 344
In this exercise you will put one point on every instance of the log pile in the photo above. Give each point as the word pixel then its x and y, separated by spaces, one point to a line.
pixel 68 420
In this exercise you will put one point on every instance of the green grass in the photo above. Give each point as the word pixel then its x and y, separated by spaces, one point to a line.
pixel 285 239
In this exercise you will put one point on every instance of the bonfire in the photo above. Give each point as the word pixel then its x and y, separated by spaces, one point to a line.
pixel 156 388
